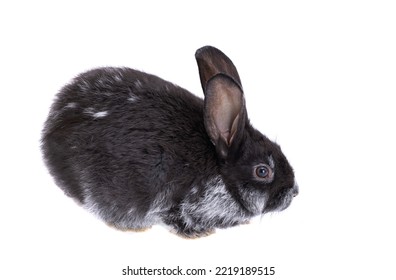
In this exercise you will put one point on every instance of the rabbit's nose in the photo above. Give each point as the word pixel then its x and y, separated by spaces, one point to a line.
pixel 295 189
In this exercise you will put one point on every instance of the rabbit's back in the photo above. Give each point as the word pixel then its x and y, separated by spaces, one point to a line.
pixel 125 143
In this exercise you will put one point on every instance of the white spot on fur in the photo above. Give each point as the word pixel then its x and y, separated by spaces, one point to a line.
pixel 138 84
pixel 100 114
pixel 194 190
pixel 116 74
pixel 90 111
pixel 71 105
pixel 133 98
pixel 271 162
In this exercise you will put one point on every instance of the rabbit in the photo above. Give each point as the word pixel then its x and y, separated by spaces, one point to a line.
pixel 138 151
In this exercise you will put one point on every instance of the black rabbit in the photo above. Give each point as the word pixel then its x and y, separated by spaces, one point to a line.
pixel 137 150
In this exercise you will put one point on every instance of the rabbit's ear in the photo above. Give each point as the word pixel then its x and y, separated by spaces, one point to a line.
pixel 224 113
pixel 212 61
pixel 224 108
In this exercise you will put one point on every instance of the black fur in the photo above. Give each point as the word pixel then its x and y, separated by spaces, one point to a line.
pixel 134 149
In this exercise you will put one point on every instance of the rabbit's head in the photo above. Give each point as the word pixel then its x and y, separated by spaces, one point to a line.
pixel 254 168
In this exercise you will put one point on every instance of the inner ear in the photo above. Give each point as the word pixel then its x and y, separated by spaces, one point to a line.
pixel 224 105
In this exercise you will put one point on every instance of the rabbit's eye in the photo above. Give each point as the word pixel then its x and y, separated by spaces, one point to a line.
pixel 264 172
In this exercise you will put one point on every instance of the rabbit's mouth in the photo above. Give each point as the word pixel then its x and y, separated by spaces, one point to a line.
pixel 282 200
pixel 288 198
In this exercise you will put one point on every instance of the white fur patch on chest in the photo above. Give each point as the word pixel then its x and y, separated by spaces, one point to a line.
pixel 216 207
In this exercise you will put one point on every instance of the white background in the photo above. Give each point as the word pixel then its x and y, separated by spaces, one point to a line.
pixel 319 77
